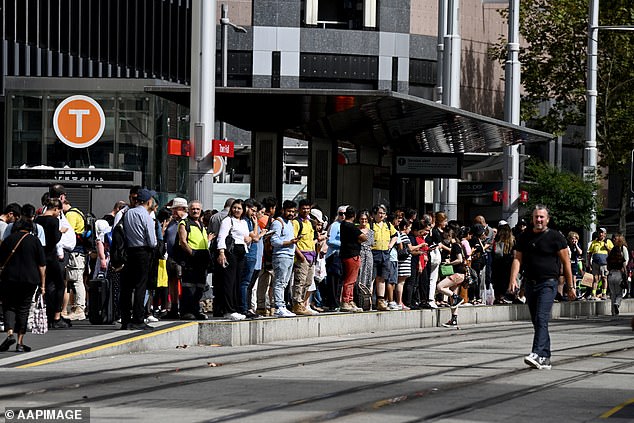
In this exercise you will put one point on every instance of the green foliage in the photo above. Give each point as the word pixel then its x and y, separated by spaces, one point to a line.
pixel 569 198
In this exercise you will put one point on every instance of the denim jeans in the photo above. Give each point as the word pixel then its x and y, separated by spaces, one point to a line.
pixel 247 275
pixel 540 297
pixel 282 270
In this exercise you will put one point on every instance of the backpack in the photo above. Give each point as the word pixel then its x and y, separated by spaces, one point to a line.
pixel 362 296
pixel 87 237
pixel 118 247
pixel 268 247
pixel 178 255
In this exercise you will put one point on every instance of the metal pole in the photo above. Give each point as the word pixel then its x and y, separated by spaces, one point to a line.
pixel 224 57
pixel 590 150
pixel 511 169
pixel 442 32
pixel 202 103
pixel 451 91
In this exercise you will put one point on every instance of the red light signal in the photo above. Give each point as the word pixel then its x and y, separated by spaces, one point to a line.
pixel 176 147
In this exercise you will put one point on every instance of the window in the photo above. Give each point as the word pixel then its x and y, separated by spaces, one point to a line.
pixel 337 14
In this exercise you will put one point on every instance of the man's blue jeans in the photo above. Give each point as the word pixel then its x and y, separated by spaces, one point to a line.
pixel 282 270
pixel 540 296
pixel 247 275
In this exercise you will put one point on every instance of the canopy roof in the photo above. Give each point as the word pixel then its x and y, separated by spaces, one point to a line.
pixel 361 118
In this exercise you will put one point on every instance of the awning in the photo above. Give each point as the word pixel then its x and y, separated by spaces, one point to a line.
pixel 402 123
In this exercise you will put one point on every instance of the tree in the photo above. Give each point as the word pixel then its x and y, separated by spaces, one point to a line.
pixel 553 61
pixel 567 196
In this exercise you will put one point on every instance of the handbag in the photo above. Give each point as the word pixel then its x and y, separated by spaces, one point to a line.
pixel 587 280
pixel 11 254
pixel 230 243
pixel 402 253
pixel 37 318
pixel 161 280
pixel 446 270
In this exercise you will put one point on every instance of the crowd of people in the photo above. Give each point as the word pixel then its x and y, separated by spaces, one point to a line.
pixel 254 259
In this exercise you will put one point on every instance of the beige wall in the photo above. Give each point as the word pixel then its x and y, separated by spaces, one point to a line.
pixel 480 25
pixel 239 11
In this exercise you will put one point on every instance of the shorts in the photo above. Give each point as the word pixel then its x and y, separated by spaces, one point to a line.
pixel 599 269
pixel 381 264
pixel 393 277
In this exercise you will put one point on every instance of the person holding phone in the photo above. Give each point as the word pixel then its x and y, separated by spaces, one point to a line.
pixel 284 243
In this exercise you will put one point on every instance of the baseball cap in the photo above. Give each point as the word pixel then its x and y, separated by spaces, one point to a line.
pixel 502 223
pixel 342 209
pixel 603 230
pixel 145 194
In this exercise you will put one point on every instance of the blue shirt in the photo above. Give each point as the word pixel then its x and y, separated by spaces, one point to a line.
pixel 253 248
pixel 334 239
pixel 138 227
pixel 282 233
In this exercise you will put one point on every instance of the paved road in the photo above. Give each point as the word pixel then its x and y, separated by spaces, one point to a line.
pixel 474 374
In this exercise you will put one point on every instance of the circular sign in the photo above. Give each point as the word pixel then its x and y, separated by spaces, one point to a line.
pixel 79 121
pixel 219 165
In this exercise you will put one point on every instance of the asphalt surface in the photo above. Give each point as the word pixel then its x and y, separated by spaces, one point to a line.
pixel 474 374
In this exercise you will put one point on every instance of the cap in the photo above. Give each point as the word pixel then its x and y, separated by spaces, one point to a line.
pixel 145 194
pixel 502 223
pixel 477 229
pixel 178 202
pixel 602 230
pixel 317 215
pixel 342 209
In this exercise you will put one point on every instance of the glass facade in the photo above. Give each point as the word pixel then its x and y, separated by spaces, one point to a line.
pixel 135 137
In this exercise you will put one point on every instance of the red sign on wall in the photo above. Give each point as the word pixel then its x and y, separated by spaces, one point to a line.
pixel 223 148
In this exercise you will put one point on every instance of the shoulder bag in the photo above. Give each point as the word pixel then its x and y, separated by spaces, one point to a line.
pixel 12 252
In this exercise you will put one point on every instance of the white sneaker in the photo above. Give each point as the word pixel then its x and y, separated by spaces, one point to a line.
pixel 151 319
pixel 235 316
pixel 531 360
pixel 311 311
pixel 283 312
pixel 432 304
pixel 392 306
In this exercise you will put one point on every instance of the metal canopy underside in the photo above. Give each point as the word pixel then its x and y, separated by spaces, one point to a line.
pixel 379 119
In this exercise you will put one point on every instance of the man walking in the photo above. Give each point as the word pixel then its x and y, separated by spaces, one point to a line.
pixel 541 252
pixel 140 237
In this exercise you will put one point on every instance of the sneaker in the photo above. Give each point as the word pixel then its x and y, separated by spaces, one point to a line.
pixel 78 314
pixel 250 314
pixel 235 316
pixel 432 304
pixel 531 360
pixel 615 309
pixel 543 363
pixel 151 319
pixel 355 307
pixel 392 306
pixel 404 307
pixel 455 301
pixel 7 343
pixel 451 324
pixel 346 307
pixel 381 305
pixel 311 311
pixel 283 312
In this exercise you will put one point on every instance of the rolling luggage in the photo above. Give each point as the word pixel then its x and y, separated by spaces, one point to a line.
pixel 362 297
pixel 100 301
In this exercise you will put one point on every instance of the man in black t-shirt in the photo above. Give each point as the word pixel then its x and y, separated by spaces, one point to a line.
pixel 351 239
pixel 540 253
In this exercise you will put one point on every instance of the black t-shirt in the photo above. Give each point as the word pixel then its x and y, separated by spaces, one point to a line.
pixel 478 258
pixel 456 250
pixel 350 245
pixel 23 266
pixel 51 233
pixel 540 254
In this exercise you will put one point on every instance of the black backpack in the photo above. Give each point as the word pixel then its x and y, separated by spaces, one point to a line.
pixel 178 254
pixel 87 237
pixel 118 247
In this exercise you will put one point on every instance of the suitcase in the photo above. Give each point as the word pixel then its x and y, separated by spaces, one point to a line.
pixel 362 296
pixel 100 301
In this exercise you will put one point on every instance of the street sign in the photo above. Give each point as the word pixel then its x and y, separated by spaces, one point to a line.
pixel 222 148
pixel 438 165
pixel 590 174
pixel 219 165
pixel 79 121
